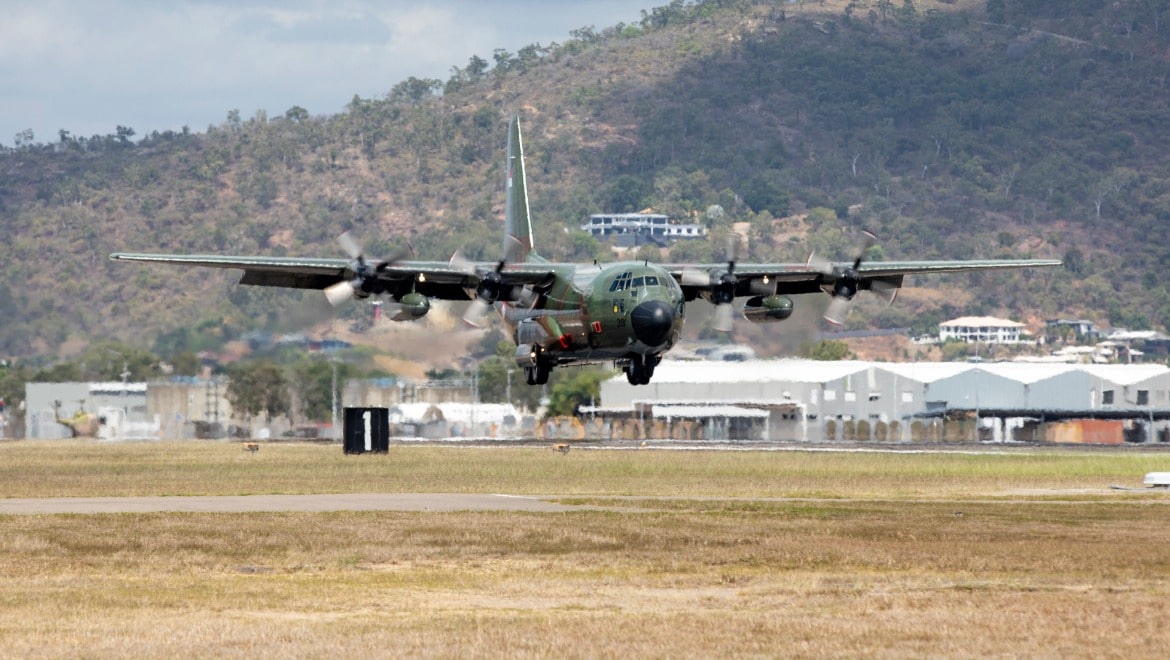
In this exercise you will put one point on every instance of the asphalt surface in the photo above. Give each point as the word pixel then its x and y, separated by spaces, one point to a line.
pixel 281 503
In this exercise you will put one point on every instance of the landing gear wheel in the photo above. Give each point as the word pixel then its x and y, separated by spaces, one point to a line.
pixel 641 369
pixel 539 372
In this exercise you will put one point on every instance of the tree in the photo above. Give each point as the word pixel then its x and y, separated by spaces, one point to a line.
pixel 503 60
pixel 258 387
pixel 124 133
pixel 414 90
pixel 296 114
pixel 498 378
pixel 582 388
pixel 314 385
pixel 692 251
pixel 109 360
pixel 765 192
pixel 627 194
pixel 476 68
pixel 185 363
pixel 648 252
pixel 827 350
pixel 584 246
pixel 12 386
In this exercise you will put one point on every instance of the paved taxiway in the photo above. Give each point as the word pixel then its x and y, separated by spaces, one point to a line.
pixel 281 503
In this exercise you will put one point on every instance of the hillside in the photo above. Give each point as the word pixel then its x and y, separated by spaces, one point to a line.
pixel 952 129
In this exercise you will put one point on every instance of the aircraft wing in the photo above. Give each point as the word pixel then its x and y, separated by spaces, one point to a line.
pixel 435 279
pixel 790 279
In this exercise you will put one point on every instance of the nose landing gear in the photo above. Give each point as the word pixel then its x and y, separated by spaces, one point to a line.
pixel 641 368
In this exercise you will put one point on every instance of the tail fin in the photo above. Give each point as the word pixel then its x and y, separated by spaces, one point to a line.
pixel 518 244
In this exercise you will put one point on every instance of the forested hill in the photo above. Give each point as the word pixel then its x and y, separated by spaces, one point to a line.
pixel 953 129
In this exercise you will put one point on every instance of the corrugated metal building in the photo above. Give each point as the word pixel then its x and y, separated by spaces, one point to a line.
pixel 813 400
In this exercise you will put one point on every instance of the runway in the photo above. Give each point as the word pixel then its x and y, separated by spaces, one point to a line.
pixel 281 503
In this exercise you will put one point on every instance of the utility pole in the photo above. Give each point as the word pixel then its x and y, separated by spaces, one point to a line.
pixel 508 387
pixel 333 393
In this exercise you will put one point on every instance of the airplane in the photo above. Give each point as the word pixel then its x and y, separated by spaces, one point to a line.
pixel 629 313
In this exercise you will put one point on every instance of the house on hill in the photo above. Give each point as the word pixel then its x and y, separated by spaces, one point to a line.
pixel 985 329
pixel 633 229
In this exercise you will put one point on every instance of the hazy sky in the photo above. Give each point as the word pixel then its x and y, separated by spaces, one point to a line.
pixel 87 66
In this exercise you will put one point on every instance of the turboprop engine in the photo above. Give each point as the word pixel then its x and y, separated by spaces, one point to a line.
pixel 409 307
pixel 768 309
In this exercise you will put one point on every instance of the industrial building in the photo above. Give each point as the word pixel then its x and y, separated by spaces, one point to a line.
pixel 851 400
pixel 98 410
pixel 198 408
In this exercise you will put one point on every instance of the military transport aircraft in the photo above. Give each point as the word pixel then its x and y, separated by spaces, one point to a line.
pixel 629 313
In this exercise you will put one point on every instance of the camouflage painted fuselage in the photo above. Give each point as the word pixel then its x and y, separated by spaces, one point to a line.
pixel 607 313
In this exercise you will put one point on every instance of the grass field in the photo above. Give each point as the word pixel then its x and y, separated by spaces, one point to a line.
pixel 683 554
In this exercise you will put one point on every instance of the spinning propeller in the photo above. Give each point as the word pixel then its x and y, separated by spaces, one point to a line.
pixel 721 285
pixel 848 282
pixel 365 274
pixel 491 287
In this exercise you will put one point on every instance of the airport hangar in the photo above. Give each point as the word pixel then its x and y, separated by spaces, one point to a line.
pixel 807 400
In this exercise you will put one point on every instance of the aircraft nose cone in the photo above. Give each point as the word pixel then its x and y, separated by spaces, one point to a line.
pixel 652 321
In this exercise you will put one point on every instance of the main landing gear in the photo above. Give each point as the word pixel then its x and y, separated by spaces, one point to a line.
pixel 641 368
pixel 537 374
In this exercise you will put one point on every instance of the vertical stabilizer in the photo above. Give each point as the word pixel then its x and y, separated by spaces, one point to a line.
pixel 517 219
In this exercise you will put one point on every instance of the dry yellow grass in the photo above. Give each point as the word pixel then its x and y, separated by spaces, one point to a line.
pixel 907 565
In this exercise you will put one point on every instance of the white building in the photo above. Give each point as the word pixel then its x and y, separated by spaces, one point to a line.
pixel 802 398
pixel 106 411
pixel 639 228
pixel 985 329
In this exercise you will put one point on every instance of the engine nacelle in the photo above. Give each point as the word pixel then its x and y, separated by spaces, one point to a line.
pixel 410 307
pixel 768 309
pixel 528 331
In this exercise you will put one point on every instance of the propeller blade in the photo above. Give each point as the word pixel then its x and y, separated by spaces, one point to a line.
pixel 731 248
pixel 394 258
pixel 339 293
pixel 350 245
pixel 819 264
pixel 475 312
pixel 868 239
pixel 460 263
pixel 723 318
pixel 884 291
pixel 695 277
pixel 527 298
pixel 837 311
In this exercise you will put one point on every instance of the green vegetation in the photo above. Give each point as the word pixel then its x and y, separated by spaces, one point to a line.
pixel 951 129
pixel 43 469
pixel 826 350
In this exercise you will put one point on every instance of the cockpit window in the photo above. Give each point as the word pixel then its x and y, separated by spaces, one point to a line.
pixel 638 281
pixel 651 280
pixel 621 282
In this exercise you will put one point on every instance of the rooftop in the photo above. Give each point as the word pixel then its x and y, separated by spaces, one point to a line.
pixel 980 322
